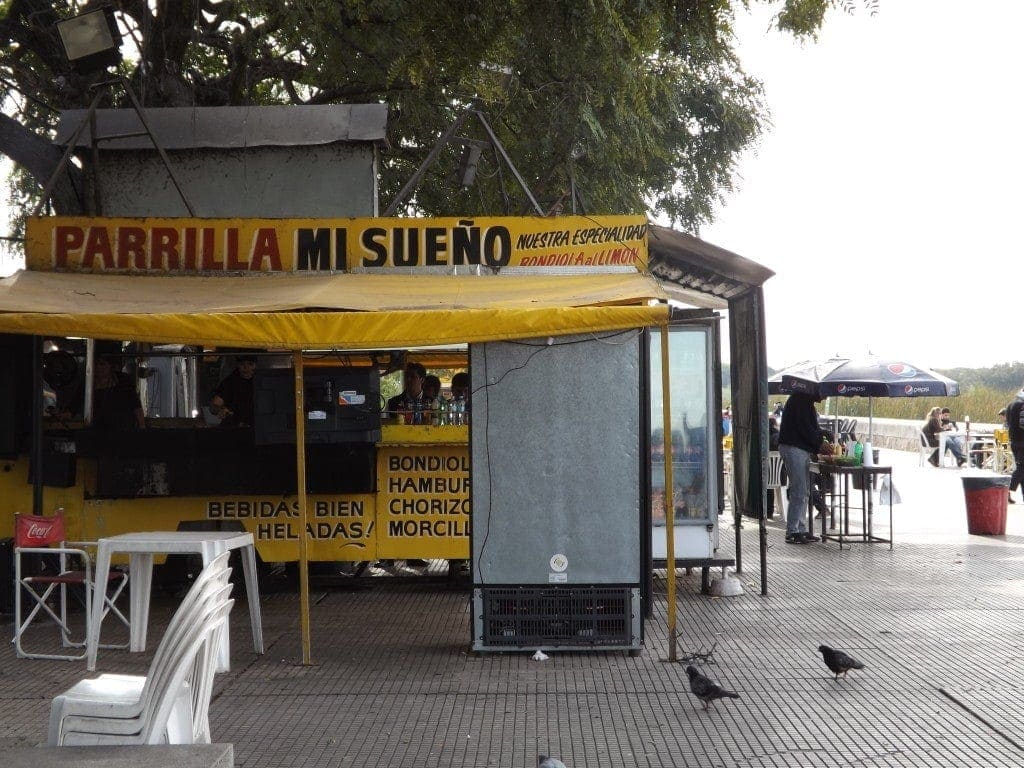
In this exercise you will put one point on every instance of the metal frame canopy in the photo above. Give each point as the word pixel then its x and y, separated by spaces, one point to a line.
pixel 704 275
pixel 340 311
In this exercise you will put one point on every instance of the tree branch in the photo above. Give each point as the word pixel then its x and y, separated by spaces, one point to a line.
pixel 39 157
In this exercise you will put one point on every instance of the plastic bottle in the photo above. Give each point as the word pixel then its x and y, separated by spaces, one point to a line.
pixel 442 411
pixel 858 452
pixel 417 412
pixel 460 411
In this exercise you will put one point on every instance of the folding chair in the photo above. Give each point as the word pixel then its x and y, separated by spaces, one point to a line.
pixel 34 534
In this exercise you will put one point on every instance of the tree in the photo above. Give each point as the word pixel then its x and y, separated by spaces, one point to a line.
pixel 643 104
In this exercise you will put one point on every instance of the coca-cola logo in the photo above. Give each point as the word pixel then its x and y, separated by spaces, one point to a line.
pixel 37 531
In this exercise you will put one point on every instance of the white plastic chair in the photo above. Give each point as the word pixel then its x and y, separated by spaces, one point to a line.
pixel 124 697
pixel 924 450
pixel 34 534
pixel 120 695
pixel 181 725
pixel 154 724
pixel 774 481
pixel 115 703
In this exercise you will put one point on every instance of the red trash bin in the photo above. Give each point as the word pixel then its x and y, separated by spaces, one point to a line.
pixel 986 499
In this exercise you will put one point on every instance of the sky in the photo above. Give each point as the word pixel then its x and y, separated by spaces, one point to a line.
pixel 886 194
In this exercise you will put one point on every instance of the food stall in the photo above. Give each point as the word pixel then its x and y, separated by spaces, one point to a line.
pixel 323 295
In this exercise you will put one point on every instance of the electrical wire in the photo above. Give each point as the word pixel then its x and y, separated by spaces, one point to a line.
pixel 490 480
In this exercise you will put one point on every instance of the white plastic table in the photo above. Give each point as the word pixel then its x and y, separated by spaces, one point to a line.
pixel 140 547
pixel 983 437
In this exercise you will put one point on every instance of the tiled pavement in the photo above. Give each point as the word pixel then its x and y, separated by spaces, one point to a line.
pixel 938 621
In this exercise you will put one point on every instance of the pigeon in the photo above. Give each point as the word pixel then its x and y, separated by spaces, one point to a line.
pixel 839 662
pixel 543 761
pixel 706 689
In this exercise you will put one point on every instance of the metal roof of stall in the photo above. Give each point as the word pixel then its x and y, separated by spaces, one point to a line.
pixel 700 273
pixel 179 128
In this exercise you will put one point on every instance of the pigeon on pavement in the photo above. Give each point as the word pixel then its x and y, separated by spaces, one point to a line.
pixel 706 689
pixel 838 661
pixel 543 761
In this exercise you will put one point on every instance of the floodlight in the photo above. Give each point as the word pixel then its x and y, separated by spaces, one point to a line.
pixel 469 161
pixel 91 40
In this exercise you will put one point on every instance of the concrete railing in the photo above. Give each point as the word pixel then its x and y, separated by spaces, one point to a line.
pixel 902 434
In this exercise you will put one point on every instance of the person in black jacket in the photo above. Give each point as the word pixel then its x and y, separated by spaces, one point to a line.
pixel 800 440
pixel 1015 426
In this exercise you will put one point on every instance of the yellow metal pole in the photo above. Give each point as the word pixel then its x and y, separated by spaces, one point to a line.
pixel 300 468
pixel 670 517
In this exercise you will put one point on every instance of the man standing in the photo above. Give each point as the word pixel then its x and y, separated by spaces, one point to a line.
pixel 232 400
pixel 800 440
pixel 1015 426
pixel 412 394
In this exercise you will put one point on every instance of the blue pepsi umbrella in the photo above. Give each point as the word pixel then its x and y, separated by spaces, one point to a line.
pixel 804 377
pixel 866 377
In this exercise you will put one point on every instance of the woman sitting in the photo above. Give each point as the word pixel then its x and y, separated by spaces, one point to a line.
pixel 932 428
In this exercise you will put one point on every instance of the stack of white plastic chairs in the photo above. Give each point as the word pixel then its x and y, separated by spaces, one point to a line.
pixel 170 705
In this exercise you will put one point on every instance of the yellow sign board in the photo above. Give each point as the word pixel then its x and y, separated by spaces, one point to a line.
pixel 423 501
pixel 421 509
pixel 211 246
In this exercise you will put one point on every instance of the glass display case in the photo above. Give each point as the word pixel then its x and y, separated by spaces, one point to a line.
pixel 693 447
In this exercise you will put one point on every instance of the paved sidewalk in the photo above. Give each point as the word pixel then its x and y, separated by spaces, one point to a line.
pixel 938 621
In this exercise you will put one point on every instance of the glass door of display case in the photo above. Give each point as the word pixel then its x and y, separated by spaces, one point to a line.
pixel 695 445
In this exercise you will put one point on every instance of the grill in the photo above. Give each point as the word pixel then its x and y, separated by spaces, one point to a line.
pixel 577 617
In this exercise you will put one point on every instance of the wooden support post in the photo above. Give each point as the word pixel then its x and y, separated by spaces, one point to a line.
pixel 670 539
pixel 300 473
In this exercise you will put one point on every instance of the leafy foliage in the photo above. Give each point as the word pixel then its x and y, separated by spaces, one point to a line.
pixel 643 104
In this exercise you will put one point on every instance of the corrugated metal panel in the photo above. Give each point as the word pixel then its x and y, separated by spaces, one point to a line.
pixel 699 266
pixel 233 127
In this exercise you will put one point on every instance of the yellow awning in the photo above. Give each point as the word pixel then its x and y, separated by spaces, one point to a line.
pixel 345 310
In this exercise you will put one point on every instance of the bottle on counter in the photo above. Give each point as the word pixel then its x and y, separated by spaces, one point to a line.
pixel 442 411
pixel 417 411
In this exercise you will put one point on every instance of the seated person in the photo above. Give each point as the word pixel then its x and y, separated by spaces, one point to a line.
pixel 232 400
pixel 932 428
pixel 948 425
pixel 115 401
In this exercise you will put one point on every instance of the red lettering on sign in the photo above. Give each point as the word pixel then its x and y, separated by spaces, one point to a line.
pixel 189 249
pixel 131 244
pixel 210 260
pixel 66 239
pixel 264 246
pixel 165 248
pixel 97 243
pixel 233 262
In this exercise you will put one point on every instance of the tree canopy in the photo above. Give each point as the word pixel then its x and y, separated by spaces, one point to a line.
pixel 644 103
